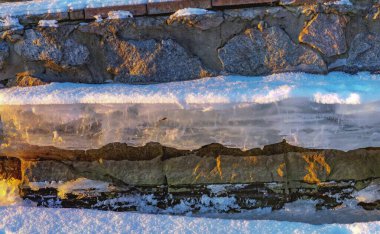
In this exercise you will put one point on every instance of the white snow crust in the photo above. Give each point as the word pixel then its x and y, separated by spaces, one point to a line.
pixel 47 220
pixel 191 11
pixel 55 6
pixel 334 88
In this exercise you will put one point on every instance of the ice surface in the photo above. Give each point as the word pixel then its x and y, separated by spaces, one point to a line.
pixel 334 111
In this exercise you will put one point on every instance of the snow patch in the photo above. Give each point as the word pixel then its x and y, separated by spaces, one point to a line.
pixel 48 23
pixel 334 88
pixel 119 15
pixel 369 194
pixel 10 23
pixel 275 95
pixel 334 98
pixel 191 11
pixel 82 184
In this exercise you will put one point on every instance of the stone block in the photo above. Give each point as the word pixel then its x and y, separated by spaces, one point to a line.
pixel 76 15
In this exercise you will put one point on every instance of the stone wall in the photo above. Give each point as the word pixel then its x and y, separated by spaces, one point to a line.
pixel 256 178
pixel 315 38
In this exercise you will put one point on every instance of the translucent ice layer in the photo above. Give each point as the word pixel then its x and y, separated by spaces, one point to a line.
pixel 335 111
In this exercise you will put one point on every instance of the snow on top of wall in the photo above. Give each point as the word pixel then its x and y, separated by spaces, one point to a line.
pixel 48 23
pixel 119 15
pixel 191 11
pixel 54 6
pixel 334 88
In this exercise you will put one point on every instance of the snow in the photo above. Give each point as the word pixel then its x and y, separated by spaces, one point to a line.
pixel 56 6
pixel 191 11
pixel 340 2
pixel 82 184
pixel 119 15
pixel 47 220
pixel 10 23
pixel 334 88
pixel 48 23
pixel 333 98
pixel 369 194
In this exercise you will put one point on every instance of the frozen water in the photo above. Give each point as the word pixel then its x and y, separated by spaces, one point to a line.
pixel 335 111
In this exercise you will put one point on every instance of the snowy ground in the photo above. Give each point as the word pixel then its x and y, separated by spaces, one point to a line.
pixel 43 220
pixel 334 88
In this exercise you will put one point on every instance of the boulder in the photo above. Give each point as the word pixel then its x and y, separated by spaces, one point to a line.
pixel 268 51
pixel 148 61
pixel 4 53
pixel 364 53
pixel 38 46
pixel 325 32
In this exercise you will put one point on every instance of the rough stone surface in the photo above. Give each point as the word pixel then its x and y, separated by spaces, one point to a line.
pixel 211 164
pixel 191 47
pixel 120 173
pixel 10 168
pixel 151 61
pixel 74 54
pixel 364 53
pixel 325 32
pixel 36 47
pixel 268 51
pixel 24 79
pixel 202 22
pixel 40 47
pixel 4 53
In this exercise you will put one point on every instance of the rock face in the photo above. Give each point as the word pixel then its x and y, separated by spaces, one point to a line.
pixel 40 47
pixel 150 61
pixel 364 53
pixel 257 178
pixel 300 36
pixel 268 51
pixel 154 164
pixel 24 79
pixel 325 32
pixel 4 53
pixel 10 168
